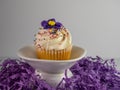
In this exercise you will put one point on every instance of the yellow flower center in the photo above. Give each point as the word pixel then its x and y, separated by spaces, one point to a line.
pixel 51 23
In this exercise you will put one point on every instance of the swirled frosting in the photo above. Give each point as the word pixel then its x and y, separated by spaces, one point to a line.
pixel 52 35
pixel 47 39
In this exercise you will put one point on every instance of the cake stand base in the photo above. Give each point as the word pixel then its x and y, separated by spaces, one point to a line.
pixel 54 79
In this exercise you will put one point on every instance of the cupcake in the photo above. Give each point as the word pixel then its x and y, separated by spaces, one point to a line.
pixel 53 41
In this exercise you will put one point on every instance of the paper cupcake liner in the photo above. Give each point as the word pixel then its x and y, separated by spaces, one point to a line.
pixel 63 54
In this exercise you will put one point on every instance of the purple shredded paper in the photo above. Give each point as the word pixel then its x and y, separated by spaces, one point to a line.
pixel 18 75
pixel 88 74
pixel 92 74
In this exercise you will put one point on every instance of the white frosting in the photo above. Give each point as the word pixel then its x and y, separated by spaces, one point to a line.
pixel 59 40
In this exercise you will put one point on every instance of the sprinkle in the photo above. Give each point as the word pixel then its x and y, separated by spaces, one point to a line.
pixel 39 33
pixel 39 45
pixel 67 33
pixel 40 28
pixel 65 30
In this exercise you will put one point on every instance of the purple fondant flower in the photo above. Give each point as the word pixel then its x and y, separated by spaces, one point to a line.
pixel 51 23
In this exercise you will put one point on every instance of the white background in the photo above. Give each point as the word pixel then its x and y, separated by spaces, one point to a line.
pixel 94 24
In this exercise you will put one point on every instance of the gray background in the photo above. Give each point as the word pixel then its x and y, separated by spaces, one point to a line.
pixel 94 24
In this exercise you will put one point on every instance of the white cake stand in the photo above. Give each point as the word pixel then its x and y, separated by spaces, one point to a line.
pixel 51 70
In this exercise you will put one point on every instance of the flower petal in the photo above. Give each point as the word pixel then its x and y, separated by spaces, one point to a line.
pixel 58 25
pixel 44 23
pixel 52 20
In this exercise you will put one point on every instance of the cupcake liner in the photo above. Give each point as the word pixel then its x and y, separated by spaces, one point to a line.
pixel 63 54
